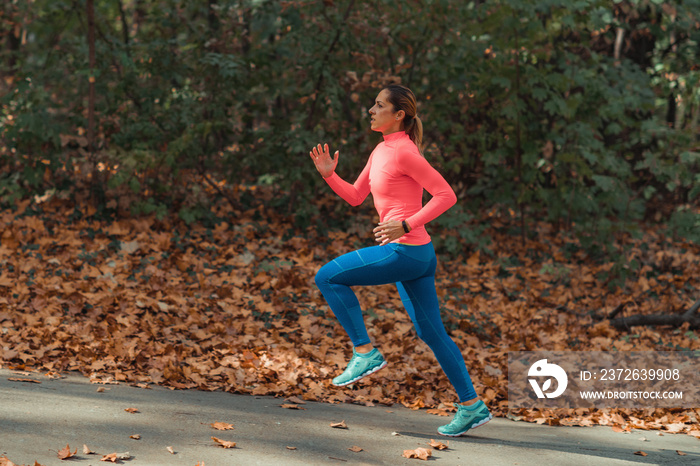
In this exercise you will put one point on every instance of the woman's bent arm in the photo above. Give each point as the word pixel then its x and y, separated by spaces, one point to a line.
pixel 443 198
pixel 353 194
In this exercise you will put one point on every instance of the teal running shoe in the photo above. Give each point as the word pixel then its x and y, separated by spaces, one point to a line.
pixel 467 417
pixel 360 365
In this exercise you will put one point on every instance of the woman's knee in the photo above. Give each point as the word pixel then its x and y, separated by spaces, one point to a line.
pixel 431 336
pixel 323 276
pixel 320 279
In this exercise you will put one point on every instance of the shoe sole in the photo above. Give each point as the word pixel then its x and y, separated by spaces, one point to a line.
pixel 473 426
pixel 369 372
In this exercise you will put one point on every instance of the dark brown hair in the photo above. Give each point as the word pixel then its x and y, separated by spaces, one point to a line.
pixel 402 98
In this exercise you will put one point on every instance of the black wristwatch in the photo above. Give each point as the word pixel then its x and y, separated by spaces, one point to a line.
pixel 405 226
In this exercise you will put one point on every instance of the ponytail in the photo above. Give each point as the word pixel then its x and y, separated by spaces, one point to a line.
pixel 414 129
pixel 402 98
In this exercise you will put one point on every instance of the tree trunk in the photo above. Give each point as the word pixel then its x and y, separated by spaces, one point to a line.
pixel 13 43
pixel 140 14
pixel 91 84
pixel 125 25
pixel 212 17
pixel 94 182
pixel 619 40
pixel 518 141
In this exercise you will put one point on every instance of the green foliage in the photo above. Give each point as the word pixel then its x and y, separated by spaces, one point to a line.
pixel 525 107
pixel 685 223
pixel 459 233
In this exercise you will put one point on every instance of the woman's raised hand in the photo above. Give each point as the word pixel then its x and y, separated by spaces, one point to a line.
pixel 323 161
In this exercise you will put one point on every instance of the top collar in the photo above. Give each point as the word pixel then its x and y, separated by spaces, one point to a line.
pixel 395 136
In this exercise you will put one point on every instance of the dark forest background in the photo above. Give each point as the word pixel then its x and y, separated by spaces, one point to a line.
pixel 583 114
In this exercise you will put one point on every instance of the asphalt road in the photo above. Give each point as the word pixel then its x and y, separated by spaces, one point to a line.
pixel 37 420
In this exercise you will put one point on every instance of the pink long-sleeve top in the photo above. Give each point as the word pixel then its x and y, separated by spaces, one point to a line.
pixel 396 174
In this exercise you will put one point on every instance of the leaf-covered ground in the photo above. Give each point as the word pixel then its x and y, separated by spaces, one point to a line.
pixel 235 308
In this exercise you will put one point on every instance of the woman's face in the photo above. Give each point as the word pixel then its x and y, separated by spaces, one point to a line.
pixel 383 118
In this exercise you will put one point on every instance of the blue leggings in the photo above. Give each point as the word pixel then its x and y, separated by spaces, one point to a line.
pixel 412 268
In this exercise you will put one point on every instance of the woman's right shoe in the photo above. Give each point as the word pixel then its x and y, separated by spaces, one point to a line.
pixel 361 365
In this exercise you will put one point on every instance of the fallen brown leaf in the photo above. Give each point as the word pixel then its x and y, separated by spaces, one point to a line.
pixel 680 453
pixel 291 448
pixel 4 461
pixel 107 381
pixel 640 453
pixel 438 412
pixel 135 437
pixel 419 453
pixel 291 406
pixel 87 451
pixel 355 449
pixel 224 443
pixel 339 425
pixel 132 410
pixel 222 426
pixel 170 449
pixel 295 400
pixel 17 379
pixel 65 453
pixel 100 389
pixel 111 457
pixel 115 457
pixel 438 445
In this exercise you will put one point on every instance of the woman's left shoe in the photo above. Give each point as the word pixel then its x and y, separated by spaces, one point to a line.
pixel 467 417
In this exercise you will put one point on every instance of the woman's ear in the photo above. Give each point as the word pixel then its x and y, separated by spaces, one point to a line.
pixel 400 115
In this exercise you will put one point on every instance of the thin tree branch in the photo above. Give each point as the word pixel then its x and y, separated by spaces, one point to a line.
pixel 675 320
pixel 681 39
pixel 125 26
pixel 617 310
pixel 692 310
pixel 564 308
pixel 218 189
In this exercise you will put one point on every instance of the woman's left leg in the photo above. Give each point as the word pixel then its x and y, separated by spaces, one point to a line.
pixel 419 297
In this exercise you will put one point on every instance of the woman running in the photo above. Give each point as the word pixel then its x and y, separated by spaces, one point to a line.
pixel 396 174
